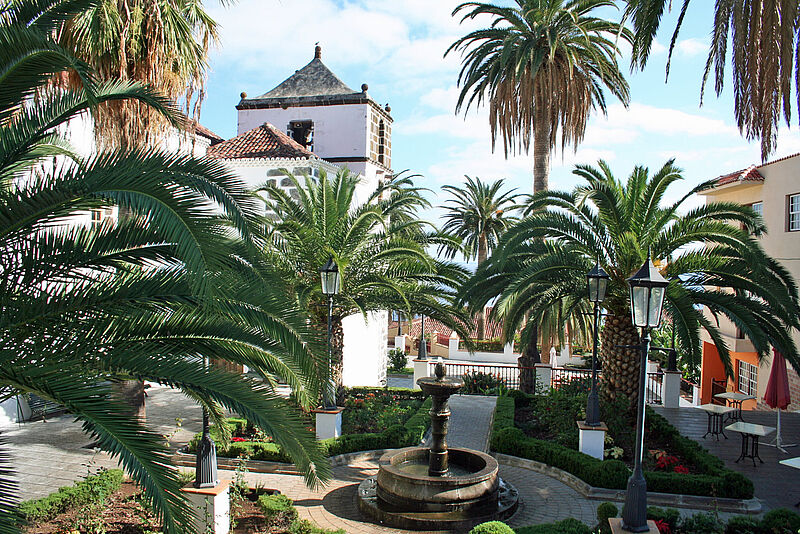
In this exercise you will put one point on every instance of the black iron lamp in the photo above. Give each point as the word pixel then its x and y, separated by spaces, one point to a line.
pixel 647 288
pixel 205 467
pixel 596 283
pixel 331 282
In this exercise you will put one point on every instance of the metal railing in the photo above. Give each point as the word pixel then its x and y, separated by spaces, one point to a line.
pixel 653 388
pixel 561 376
pixel 478 375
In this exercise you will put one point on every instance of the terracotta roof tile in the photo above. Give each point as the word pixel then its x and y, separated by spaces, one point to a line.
pixel 750 174
pixel 264 141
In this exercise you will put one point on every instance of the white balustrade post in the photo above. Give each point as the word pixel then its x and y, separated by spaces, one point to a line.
pixel 695 395
pixel 211 507
pixel 671 389
pixel 452 346
pixel 420 371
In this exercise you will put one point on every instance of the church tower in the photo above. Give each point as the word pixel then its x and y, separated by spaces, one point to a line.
pixel 319 111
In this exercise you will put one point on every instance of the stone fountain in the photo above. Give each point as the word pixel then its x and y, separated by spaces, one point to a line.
pixel 436 488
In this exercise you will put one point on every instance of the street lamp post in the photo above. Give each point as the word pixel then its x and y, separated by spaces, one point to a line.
pixel 205 467
pixel 647 289
pixel 422 351
pixel 596 283
pixel 331 280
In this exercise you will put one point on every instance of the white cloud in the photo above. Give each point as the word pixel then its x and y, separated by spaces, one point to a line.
pixel 692 47
pixel 664 121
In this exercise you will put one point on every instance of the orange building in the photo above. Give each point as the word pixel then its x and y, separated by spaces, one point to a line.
pixel 773 190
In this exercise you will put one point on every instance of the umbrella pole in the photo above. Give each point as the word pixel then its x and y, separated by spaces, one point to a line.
pixel 777 442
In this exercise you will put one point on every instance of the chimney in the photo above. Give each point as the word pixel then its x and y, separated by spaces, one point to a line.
pixel 317 52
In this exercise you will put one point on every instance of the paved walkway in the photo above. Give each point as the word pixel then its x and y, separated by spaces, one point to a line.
pixel 775 485
pixel 470 422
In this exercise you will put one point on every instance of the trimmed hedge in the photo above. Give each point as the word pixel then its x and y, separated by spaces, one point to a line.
pixel 394 437
pixel 715 479
pixel 567 526
pixel 94 488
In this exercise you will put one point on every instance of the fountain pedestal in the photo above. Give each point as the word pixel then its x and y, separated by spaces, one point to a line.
pixel 436 488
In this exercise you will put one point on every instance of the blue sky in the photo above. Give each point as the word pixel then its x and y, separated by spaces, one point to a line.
pixel 397 46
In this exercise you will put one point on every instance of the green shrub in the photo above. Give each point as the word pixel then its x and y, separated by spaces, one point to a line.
pixel 274 506
pixel 742 524
pixel 567 526
pixel 397 360
pixel 703 523
pixel 477 383
pixel 304 526
pixel 715 479
pixel 93 489
pixel 670 516
pixel 492 527
pixel 780 521
pixel 606 511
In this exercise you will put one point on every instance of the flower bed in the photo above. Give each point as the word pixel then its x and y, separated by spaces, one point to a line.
pixel 708 476
pixel 405 418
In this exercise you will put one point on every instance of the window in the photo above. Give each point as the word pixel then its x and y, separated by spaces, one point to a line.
pixel 381 141
pixel 793 212
pixel 758 207
pixel 102 216
pixel 303 133
pixel 748 378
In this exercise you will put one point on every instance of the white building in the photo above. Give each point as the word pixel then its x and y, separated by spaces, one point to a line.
pixel 313 121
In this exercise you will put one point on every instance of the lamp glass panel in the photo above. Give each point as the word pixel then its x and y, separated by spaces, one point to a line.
pixel 655 304
pixel 639 305
pixel 592 283
pixel 330 282
pixel 602 285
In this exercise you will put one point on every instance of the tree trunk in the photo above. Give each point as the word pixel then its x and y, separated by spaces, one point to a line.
pixel 337 357
pixel 541 145
pixel 131 394
pixel 530 357
pixel 483 252
pixel 620 377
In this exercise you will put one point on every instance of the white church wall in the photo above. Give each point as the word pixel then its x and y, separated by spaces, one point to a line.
pixel 339 131
pixel 365 349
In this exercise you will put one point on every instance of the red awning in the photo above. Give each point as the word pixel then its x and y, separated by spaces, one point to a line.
pixel 777 394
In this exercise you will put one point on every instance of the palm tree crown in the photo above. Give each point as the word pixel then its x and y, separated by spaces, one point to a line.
pixel 765 58
pixel 148 298
pixel 541 65
pixel 715 265
pixel 378 245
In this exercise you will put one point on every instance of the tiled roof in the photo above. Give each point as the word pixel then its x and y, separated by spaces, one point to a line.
pixel 265 141
pixel 750 174
pixel 780 159
pixel 313 85
pixel 492 329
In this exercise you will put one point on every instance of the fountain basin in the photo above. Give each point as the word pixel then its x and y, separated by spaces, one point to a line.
pixel 471 483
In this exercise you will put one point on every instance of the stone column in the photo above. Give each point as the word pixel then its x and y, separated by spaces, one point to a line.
pixel 440 419
pixel 671 389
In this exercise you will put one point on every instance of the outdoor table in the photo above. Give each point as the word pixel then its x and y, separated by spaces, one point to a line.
pixel 734 399
pixel 792 462
pixel 716 414
pixel 750 434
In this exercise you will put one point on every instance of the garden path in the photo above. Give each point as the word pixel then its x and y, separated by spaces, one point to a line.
pixel 775 485
pixel 470 422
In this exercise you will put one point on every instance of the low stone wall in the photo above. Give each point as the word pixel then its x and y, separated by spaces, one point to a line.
pixel 739 506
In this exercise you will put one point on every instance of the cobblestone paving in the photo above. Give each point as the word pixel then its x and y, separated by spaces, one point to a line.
pixel 543 499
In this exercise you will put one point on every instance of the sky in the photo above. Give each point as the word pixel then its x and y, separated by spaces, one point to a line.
pixel 397 48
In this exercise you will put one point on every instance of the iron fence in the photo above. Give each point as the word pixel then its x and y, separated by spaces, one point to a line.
pixel 653 388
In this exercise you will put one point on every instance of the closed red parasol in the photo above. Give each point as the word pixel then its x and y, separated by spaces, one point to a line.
pixel 777 394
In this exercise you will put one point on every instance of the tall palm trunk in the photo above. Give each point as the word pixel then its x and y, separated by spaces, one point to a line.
pixel 530 357
pixel 541 145
pixel 337 356
pixel 620 378
pixel 483 252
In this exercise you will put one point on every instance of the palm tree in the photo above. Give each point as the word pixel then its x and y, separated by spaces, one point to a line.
pixel 765 60
pixel 710 254
pixel 160 43
pixel 150 297
pixel 541 65
pixel 379 247
pixel 478 215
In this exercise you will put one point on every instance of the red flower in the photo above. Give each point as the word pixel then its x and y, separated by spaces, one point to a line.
pixel 238 439
pixel 682 469
pixel 663 527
